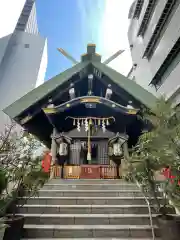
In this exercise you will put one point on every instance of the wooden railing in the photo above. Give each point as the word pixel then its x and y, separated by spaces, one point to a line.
pixel 74 172
pixel 108 172
pixel 69 172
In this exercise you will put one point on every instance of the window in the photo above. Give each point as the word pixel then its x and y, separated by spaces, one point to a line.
pixel 138 8
pixel 134 66
pixel 24 14
pixel 168 65
pixel 147 17
pixel 20 26
pixel 23 19
pixel 161 27
pixel 27 9
pixel 26 45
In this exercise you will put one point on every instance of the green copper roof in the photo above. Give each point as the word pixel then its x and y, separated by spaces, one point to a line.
pixel 142 95
pixel 139 93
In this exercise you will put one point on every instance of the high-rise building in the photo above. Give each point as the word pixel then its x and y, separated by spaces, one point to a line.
pixel 23 54
pixel 154 38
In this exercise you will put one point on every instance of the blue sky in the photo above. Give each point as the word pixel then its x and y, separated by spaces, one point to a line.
pixel 72 24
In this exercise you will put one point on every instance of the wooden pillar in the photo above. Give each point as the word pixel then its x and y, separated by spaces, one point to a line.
pixel 124 162
pixel 53 146
pixel 125 149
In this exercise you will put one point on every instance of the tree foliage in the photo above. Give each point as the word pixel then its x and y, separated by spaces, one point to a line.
pixel 20 168
pixel 159 148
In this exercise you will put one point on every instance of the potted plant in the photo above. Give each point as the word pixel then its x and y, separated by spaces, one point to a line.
pixel 155 150
pixel 29 180
pixel 24 173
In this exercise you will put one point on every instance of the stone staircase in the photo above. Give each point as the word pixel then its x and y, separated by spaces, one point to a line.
pixel 87 209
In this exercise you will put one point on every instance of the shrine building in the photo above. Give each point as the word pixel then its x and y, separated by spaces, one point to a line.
pixel 86 115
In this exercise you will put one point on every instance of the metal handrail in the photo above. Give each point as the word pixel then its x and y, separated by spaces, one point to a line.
pixel 147 202
pixel 149 208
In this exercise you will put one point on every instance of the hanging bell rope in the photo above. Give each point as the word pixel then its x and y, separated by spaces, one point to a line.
pixel 89 143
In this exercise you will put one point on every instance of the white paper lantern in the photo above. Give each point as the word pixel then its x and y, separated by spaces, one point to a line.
pixel 117 150
pixel 63 149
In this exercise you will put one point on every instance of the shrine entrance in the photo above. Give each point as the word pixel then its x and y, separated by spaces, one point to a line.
pixel 94 153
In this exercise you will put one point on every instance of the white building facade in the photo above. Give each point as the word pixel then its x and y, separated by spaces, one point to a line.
pixel 23 55
pixel 154 38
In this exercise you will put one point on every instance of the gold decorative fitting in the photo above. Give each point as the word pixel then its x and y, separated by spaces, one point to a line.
pixel 26 119
pixel 85 54
pixel 91 45
pixel 132 111
pixel 90 100
pixel 49 110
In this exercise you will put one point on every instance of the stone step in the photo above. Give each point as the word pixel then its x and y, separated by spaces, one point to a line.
pixel 88 181
pixel 85 186
pixel 89 238
pixel 73 209
pixel 89 193
pixel 47 200
pixel 88 219
pixel 91 231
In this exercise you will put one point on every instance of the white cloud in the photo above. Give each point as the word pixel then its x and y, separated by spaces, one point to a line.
pixel 105 23
pixel 115 27
pixel 91 13
pixel 9 14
